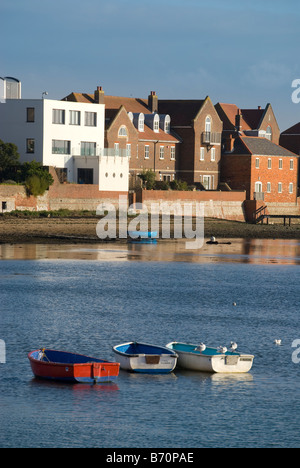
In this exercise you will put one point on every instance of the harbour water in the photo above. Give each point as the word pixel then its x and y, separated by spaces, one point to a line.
pixel 87 298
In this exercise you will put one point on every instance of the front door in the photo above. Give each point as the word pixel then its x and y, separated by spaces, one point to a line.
pixel 207 182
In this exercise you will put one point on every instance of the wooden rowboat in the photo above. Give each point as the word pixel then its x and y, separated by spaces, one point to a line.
pixel 69 367
pixel 201 358
pixel 145 358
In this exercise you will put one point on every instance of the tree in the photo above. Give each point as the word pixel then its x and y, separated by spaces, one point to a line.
pixel 148 178
pixel 37 178
pixel 9 159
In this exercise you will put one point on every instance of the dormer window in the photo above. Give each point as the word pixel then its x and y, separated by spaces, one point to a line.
pixel 141 122
pixel 156 123
pixel 165 123
pixel 122 131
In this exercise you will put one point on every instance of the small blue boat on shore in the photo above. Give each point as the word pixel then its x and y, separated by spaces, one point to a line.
pixel 143 237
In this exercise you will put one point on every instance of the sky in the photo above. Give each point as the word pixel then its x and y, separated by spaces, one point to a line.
pixel 240 52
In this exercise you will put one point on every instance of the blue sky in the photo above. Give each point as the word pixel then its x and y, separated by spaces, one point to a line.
pixel 241 52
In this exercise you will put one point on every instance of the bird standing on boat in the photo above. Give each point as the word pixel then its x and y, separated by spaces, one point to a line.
pixel 201 347
pixel 233 346
pixel 222 349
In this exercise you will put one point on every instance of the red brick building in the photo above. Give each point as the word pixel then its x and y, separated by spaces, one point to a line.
pixel 265 170
pixel 257 122
pixel 134 127
pixel 200 129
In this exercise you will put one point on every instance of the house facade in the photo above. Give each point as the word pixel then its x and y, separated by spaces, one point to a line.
pixel 199 127
pixel 65 135
pixel 135 128
pixel 265 170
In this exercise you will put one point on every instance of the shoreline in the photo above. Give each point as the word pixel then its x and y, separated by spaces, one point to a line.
pixel 69 230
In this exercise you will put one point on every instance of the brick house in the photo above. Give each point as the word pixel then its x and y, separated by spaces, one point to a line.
pixel 134 127
pixel 248 122
pixel 199 128
pixel 265 170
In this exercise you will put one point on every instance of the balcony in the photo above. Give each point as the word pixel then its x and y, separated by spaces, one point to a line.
pixel 259 196
pixel 211 138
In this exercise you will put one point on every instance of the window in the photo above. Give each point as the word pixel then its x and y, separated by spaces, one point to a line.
pixel 173 153
pixel 269 187
pixel 213 154
pixel 269 163
pixel 162 152
pixel 147 150
pixel 280 187
pixel 291 188
pixel 257 163
pixel 167 126
pixel 269 133
pixel 291 164
pixel 117 149
pixel 280 163
pixel 123 131
pixel 156 125
pixel 91 119
pixel 201 154
pixel 74 117
pixel 58 116
pixel 88 148
pixel 61 147
pixel 30 145
pixel 208 124
pixel 30 114
pixel 128 150
pixel 141 122
pixel 85 176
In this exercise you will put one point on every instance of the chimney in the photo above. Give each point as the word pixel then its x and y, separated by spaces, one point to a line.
pixel 153 102
pixel 238 121
pixel 259 107
pixel 99 95
pixel 229 144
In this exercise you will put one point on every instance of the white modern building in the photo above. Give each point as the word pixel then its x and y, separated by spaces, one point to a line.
pixel 66 135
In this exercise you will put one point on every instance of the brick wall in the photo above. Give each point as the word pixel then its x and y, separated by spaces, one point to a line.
pixel 222 205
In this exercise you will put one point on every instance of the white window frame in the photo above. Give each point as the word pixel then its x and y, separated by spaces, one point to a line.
pixel 202 154
pixel 257 163
pixel 279 187
pixel 280 164
pixel 147 152
pixel 117 149
pixel 208 124
pixel 291 164
pixel 75 117
pixel 128 150
pixel 58 116
pixel 291 188
pixel 269 187
pixel 90 119
pixel 213 154
pixel 270 163
pixel 162 152
pixel 122 131
pixel 173 153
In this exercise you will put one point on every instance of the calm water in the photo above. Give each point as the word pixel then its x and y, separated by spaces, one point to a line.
pixel 58 298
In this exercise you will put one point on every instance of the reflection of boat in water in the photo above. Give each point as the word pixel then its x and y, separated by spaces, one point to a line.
pixel 203 359
pixel 143 237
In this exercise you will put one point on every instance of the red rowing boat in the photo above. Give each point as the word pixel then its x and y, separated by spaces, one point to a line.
pixel 69 367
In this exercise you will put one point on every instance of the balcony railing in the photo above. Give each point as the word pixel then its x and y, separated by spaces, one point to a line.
pixel 259 196
pixel 111 152
pixel 211 138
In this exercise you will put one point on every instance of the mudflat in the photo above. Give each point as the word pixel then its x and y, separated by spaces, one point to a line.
pixel 83 229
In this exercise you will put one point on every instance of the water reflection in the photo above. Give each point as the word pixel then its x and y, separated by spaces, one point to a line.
pixel 251 251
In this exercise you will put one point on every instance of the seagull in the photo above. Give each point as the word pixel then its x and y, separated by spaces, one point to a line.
pixel 277 342
pixel 233 346
pixel 201 347
pixel 234 304
pixel 222 349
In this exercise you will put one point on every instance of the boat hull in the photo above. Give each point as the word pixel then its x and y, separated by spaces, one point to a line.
pixel 211 360
pixel 145 359
pixel 73 368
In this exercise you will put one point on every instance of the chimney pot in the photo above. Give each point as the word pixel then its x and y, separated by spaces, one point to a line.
pixel 259 107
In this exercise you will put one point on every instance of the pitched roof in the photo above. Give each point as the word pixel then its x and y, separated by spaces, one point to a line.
pixel 294 130
pixel 259 147
pixel 133 105
pixel 250 118
pixel 182 112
